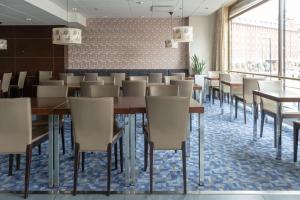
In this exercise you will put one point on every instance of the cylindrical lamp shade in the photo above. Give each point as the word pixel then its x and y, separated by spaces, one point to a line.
pixel 171 44
pixel 65 36
pixel 183 34
pixel 3 44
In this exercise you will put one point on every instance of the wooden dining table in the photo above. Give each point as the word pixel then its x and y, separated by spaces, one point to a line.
pixel 128 107
pixel 280 97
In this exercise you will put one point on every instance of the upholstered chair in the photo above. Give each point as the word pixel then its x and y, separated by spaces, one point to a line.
pixel 163 90
pixel 63 76
pixel 167 79
pixel 134 88
pixel 93 125
pixel 90 76
pixel 181 75
pixel 4 90
pixel 17 136
pixel 73 80
pixel 119 77
pixel 45 76
pixel 53 82
pixel 108 80
pixel 85 87
pixel 167 129
pixel 104 91
pixel 185 87
pixel 155 78
pixel 139 78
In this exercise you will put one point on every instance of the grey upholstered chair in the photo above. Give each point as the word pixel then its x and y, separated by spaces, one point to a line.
pixel 119 77
pixel 181 75
pixel 134 88
pixel 85 87
pixel 4 90
pixel 90 76
pixel 167 129
pixel 63 76
pixel 53 82
pixel 108 80
pixel 167 79
pixel 45 76
pixel 155 78
pixel 185 87
pixel 93 125
pixel 104 91
pixel 163 90
pixel 139 78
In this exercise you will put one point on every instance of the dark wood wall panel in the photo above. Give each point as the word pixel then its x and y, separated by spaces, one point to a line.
pixel 30 49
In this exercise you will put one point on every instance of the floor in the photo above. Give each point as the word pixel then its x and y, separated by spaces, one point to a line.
pixel 233 162
pixel 155 197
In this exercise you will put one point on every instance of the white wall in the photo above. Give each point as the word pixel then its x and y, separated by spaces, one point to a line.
pixel 202 44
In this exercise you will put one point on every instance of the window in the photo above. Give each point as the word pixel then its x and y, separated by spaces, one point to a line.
pixel 254 39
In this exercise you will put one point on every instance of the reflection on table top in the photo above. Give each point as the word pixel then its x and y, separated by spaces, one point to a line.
pixel 287 95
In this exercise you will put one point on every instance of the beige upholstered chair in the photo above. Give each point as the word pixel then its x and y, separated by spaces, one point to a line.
pixel 63 76
pixel 119 77
pixel 93 125
pixel 90 76
pixel 17 136
pixel 163 90
pixel 139 78
pixel 249 84
pixel 167 79
pixel 4 90
pixel 45 91
pixel 181 75
pixel 20 85
pixel 104 91
pixel 45 76
pixel 167 128
pixel 85 87
pixel 73 79
pixel 134 88
pixel 268 107
pixel 185 87
pixel 53 82
pixel 108 80
pixel 155 78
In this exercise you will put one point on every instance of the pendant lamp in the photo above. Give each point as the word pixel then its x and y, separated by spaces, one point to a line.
pixel 170 43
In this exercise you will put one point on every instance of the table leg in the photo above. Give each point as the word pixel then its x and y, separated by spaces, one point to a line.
pixel 127 149
pixel 278 129
pixel 221 99
pixel 254 118
pixel 204 91
pixel 201 148
pixel 50 151
pixel 231 104
pixel 132 148
pixel 56 150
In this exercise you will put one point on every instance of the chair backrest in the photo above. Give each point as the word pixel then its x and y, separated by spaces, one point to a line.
pixel 104 91
pixel 52 91
pixel 73 79
pixel 250 84
pixel 119 77
pixel 62 76
pixel 185 87
pixel 21 79
pixel 213 74
pixel 236 78
pixel 85 87
pixel 52 82
pixel 169 78
pixel 167 121
pixel 108 80
pixel 139 78
pixel 93 120
pixel 181 75
pixel 16 125
pixel 134 88
pixel 269 86
pixel 90 76
pixel 224 77
pixel 45 76
pixel 6 82
pixel 155 78
pixel 163 90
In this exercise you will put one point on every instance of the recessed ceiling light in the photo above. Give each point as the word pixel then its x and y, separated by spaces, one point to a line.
pixel 74 9
pixel 28 19
pixel 105 16
pixel 140 2
pixel 142 16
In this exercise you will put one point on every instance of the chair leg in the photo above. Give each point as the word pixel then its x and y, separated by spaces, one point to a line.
pixel 82 161
pixel 27 169
pixel 18 158
pixel 121 153
pixel 116 155
pixel 151 166
pixel 236 107
pixel 72 136
pixel 108 168
pixel 183 148
pixel 76 161
pixel 191 122
pixel 245 119
pixel 296 138
pixel 263 115
pixel 213 96
pixel 145 153
pixel 209 93
pixel 10 164
pixel 275 133
pixel 40 149
pixel 62 132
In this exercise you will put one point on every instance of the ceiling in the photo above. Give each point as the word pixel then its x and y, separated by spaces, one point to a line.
pixel 39 12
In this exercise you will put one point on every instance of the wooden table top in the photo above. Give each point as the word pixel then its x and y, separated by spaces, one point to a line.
pixel 46 106
pixel 130 105
pixel 232 84
pixel 212 78
pixel 287 95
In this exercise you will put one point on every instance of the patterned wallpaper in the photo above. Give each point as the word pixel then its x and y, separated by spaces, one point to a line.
pixel 128 44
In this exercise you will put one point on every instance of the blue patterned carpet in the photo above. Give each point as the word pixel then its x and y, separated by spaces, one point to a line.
pixel 232 162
